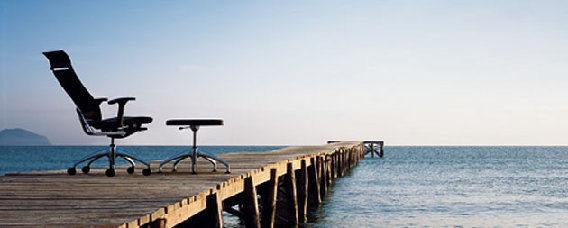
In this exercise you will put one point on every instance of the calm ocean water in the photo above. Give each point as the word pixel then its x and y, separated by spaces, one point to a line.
pixel 409 187
pixel 452 187
pixel 38 158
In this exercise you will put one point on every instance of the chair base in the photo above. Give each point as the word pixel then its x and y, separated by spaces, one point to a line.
pixel 111 153
pixel 193 155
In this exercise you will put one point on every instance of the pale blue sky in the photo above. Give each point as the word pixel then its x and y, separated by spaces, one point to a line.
pixel 296 72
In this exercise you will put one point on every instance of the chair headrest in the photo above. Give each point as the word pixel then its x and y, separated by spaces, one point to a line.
pixel 58 59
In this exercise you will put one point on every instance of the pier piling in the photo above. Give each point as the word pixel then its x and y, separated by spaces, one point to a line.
pixel 287 205
pixel 269 200
pixel 302 191
pixel 250 204
pixel 313 183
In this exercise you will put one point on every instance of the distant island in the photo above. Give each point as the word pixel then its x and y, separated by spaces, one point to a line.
pixel 21 137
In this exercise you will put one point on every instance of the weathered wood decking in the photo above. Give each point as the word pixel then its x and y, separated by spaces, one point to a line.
pixel 54 199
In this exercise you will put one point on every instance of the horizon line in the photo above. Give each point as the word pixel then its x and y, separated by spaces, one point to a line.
pixel 386 145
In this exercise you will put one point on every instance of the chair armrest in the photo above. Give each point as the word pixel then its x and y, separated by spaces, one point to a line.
pixel 121 101
pixel 100 100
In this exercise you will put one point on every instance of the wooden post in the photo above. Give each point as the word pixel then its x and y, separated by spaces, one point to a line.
pixel 350 158
pixel 302 192
pixel 338 158
pixel 355 156
pixel 323 181
pixel 338 172
pixel 292 193
pixel 347 165
pixel 328 171
pixel 372 150
pixel 382 153
pixel 332 166
pixel 348 154
pixel 335 164
pixel 287 211
pixel 341 164
pixel 269 200
pixel 344 161
pixel 250 204
pixel 313 183
pixel 213 212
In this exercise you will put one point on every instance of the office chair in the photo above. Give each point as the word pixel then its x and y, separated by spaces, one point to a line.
pixel 90 117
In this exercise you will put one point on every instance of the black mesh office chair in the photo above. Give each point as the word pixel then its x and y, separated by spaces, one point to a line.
pixel 91 120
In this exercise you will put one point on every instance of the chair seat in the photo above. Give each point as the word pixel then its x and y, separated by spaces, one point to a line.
pixel 112 123
pixel 195 122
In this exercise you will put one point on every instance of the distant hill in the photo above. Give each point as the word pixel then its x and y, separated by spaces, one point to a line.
pixel 21 137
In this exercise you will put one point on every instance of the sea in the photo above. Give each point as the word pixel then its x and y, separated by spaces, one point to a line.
pixel 411 186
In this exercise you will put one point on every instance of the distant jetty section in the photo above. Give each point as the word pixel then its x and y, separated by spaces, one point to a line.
pixel 263 189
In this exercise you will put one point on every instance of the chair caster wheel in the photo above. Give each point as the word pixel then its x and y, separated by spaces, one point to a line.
pixel 109 173
pixel 86 169
pixel 130 170
pixel 146 172
pixel 71 171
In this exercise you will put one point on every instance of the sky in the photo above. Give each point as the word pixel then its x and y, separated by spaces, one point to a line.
pixel 295 72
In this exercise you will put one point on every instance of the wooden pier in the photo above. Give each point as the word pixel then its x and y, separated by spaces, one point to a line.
pixel 371 146
pixel 263 188
pixel 375 147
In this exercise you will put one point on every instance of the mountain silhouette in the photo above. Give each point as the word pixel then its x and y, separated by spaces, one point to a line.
pixel 21 137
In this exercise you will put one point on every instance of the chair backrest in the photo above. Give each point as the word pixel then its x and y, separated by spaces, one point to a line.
pixel 63 71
